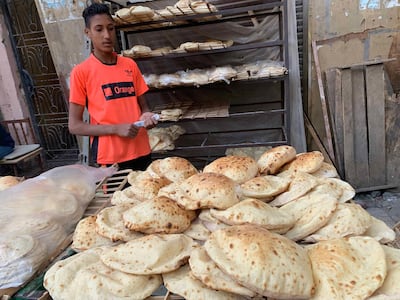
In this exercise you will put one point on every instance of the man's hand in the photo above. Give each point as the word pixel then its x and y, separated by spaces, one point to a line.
pixel 149 121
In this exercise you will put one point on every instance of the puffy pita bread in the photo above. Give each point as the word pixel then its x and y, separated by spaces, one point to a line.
pixel 84 276
pixel 348 219
pixel 158 215
pixel 264 187
pixel 308 162
pixel 197 231
pixel 151 254
pixel 137 175
pixel 145 188
pixel 311 212
pixel 390 286
pixel 210 222
pixel 380 231
pixel 348 192
pixel 238 168
pixel 204 269
pixel 203 190
pixel 265 262
pixel 109 223
pixel 273 159
pixel 85 235
pixel 299 186
pixel 326 170
pixel 347 268
pixel 180 282
pixel 124 197
pixel 253 211
pixel 176 169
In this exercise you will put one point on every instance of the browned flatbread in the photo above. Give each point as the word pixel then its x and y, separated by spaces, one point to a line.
pixel 238 168
pixel 273 159
pixel 264 262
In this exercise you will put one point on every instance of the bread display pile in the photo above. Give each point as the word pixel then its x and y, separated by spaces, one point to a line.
pixel 137 13
pixel 139 51
pixel 280 227
pixel 37 215
pixel 198 77
pixel 163 138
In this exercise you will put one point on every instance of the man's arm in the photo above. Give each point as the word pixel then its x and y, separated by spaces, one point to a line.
pixel 77 126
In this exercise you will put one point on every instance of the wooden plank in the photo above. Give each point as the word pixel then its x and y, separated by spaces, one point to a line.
pixel 360 128
pixel 374 76
pixel 348 127
pixel 316 139
pixel 334 96
pixel 323 103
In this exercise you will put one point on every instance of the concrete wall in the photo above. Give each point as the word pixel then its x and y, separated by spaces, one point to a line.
pixel 352 32
pixel 12 98
pixel 64 29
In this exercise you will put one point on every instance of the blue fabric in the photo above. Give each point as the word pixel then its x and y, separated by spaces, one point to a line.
pixel 5 138
pixel 4 150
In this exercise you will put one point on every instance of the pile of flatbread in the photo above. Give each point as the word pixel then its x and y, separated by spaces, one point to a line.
pixel 198 77
pixel 279 227
pixel 137 13
pixel 163 138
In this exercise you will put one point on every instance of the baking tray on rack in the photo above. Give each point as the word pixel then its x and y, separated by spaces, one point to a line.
pixel 34 289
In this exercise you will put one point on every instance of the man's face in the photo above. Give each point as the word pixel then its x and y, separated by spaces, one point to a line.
pixel 102 33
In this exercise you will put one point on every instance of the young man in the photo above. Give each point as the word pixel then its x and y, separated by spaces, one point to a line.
pixel 112 88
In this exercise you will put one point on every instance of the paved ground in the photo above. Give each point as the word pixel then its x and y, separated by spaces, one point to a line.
pixel 383 205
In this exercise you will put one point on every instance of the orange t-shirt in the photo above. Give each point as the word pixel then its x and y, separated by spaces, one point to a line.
pixel 111 92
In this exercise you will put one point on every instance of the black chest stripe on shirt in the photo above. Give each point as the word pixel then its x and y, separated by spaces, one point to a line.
pixel 118 90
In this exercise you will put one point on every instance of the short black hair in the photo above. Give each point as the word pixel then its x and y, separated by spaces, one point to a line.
pixel 95 9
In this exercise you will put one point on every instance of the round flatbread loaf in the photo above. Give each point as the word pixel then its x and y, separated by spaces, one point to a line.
pixel 204 269
pixel 253 211
pixel 380 231
pixel 124 197
pixel 204 190
pixel 84 276
pixel 85 235
pixel 264 262
pixel 311 212
pixel 182 283
pixel 197 231
pixel 326 170
pixel 176 169
pixel 238 168
pixel 390 286
pixel 348 192
pixel 210 222
pixel 158 215
pixel 299 186
pixel 151 254
pixel 347 268
pixel 110 224
pixel 348 219
pixel 273 159
pixel 264 187
pixel 308 162
pixel 145 188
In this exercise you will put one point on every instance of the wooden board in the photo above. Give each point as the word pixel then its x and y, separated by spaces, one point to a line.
pixel 348 126
pixel 360 140
pixel 334 100
pixel 374 77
